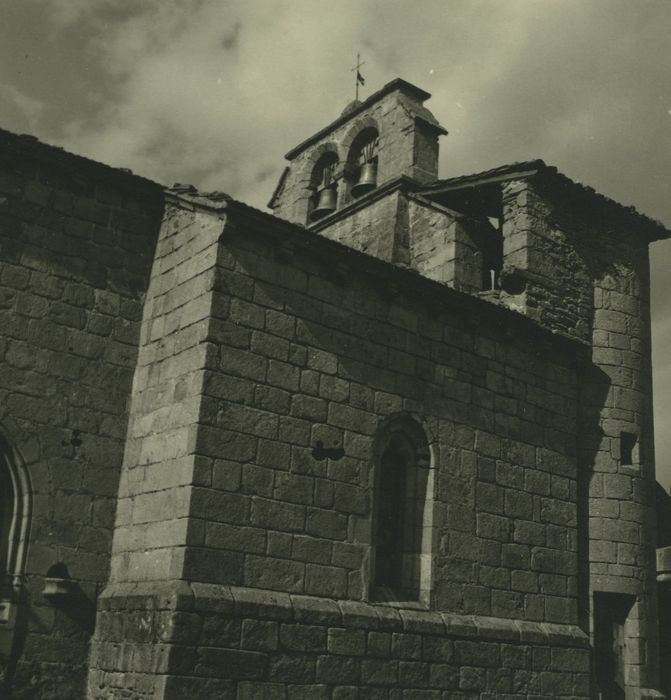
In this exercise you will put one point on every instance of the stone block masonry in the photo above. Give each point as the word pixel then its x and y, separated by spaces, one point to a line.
pixel 404 454
pixel 161 474
pixel 592 281
pixel 298 342
pixel 76 245
pixel 379 360
pixel 207 641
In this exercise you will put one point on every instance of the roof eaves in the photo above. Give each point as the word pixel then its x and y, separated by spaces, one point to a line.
pixel 501 173
pixel 27 145
pixel 655 230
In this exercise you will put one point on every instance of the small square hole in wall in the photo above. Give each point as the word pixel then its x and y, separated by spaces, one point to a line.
pixel 628 448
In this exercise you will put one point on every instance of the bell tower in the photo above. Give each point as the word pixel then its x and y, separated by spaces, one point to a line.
pixel 356 166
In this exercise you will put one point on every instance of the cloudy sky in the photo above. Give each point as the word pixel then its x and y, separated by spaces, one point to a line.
pixel 214 92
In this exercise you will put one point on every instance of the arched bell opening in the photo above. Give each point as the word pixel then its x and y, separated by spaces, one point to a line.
pixel 362 162
pixel 323 184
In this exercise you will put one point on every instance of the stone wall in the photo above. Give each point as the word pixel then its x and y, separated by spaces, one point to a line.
pixel 227 388
pixel 76 244
pixel 329 352
pixel 305 344
pixel 622 499
pixel 378 227
pixel 242 644
pixel 161 471
pixel 446 246
pixel 587 275
pixel 399 226
pixel 558 286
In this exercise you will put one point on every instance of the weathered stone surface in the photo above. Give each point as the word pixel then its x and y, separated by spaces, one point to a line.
pixel 74 266
pixel 200 406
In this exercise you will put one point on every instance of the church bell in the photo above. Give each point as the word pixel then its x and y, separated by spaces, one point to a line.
pixel 367 179
pixel 325 204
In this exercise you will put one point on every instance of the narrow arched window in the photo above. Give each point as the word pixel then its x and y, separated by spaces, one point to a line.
pixel 403 512
pixel 324 199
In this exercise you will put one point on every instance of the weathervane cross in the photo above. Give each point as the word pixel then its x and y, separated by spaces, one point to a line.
pixel 359 78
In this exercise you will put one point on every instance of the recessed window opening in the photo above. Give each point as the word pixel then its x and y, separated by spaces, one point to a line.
pixel 492 254
pixel 628 448
pixel 402 523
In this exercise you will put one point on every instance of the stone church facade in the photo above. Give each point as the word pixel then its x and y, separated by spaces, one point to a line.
pixel 393 442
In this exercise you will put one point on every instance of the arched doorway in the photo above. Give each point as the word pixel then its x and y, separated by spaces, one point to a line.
pixel 15 513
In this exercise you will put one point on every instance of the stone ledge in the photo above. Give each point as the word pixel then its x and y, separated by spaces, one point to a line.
pixel 274 605
pixel 154 595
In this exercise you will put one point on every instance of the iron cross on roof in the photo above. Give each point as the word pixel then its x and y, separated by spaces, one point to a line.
pixel 360 80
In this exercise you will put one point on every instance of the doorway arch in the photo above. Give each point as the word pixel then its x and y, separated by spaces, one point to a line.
pixel 15 515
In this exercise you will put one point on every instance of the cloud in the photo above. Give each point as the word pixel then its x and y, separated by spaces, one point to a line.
pixel 67 12
pixel 28 108
pixel 64 13
pixel 231 37
pixel 194 99
pixel 214 92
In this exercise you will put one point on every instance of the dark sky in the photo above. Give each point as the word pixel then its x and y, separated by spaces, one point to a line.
pixel 214 92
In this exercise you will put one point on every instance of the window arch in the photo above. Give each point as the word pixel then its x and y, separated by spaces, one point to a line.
pixel 323 186
pixel 403 512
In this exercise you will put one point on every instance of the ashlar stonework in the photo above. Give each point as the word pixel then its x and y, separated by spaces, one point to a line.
pixel 394 442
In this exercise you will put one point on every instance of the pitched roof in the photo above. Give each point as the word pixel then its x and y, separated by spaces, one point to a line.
pixel 654 229
pixel 501 173
pixel 25 145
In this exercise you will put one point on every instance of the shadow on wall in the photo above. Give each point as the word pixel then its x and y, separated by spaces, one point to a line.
pixel 663 509
pixel 594 386
pixel 67 596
